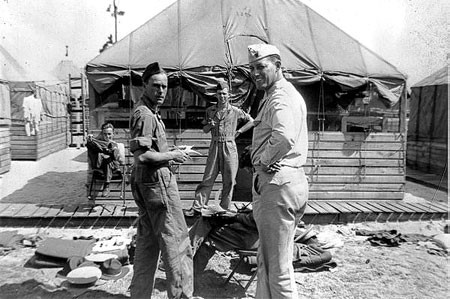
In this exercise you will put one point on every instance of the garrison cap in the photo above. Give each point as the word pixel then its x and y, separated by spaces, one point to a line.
pixel 259 51
pixel 152 69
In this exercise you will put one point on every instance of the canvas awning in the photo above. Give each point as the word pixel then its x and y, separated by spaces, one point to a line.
pixel 198 41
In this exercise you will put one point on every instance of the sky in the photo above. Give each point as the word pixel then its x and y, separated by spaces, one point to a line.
pixel 410 34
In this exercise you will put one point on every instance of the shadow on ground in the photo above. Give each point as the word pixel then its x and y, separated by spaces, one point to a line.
pixel 31 289
pixel 210 284
pixel 82 158
pixel 52 188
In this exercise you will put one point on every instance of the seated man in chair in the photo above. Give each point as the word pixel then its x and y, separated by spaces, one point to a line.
pixel 105 155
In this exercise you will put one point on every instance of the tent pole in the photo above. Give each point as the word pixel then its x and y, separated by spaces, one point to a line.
pixel 403 108
pixel 403 126
pixel 83 108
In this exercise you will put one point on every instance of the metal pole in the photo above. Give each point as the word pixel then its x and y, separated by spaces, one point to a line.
pixel 70 115
pixel 115 21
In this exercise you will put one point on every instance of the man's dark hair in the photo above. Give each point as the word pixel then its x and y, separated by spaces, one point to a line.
pixel 107 126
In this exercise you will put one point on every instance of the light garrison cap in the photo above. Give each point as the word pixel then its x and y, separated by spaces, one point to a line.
pixel 259 51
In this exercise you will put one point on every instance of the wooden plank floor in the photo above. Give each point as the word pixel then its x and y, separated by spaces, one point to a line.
pixel 124 213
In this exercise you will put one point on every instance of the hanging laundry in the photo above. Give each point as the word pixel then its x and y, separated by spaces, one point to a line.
pixel 32 109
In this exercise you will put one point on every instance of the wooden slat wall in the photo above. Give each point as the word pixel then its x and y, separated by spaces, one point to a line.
pixel 429 156
pixel 51 138
pixel 5 149
pixel 356 166
pixel 340 166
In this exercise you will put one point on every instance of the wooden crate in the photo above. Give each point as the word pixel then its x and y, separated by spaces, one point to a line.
pixel 340 166
pixel 52 137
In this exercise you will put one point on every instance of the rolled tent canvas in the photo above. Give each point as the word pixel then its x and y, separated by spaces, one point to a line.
pixel 199 41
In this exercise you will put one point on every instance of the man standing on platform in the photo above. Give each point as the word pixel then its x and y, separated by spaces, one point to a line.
pixel 162 230
pixel 279 150
pixel 221 120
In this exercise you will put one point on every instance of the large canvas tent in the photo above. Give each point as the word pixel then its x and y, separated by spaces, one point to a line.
pixel 199 42
pixel 428 123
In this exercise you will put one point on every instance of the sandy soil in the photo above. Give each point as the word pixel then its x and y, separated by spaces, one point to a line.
pixel 363 271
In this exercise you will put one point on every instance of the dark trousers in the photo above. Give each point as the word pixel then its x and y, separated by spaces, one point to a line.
pixel 162 232
pixel 104 156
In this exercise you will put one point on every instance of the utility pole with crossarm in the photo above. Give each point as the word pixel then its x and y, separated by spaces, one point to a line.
pixel 115 12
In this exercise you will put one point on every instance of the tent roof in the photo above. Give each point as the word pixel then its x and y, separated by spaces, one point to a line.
pixel 439 77
pixel 200 35
pixel 66 67
pixel 12 70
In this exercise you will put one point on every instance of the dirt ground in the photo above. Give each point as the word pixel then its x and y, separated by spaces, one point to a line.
pixel 363 271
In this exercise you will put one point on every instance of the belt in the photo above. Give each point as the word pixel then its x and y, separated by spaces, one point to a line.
pixel 259 167
pixel 222 138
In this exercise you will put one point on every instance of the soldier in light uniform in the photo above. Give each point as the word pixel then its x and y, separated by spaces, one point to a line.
pixel 279 149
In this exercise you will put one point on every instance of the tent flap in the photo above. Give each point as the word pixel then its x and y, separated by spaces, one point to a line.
pixel 191 36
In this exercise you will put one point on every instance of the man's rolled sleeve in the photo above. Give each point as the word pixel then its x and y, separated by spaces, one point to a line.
pixel 142 129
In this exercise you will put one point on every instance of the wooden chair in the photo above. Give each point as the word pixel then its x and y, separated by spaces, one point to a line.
pixel 243 254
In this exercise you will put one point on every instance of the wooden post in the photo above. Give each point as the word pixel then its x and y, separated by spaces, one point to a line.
pixel 404 127
pixel 83 108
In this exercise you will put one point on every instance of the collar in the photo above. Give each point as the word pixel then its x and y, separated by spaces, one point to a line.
pixel 268 92
pixel 226 107
pixel 275 85
pixel 146 101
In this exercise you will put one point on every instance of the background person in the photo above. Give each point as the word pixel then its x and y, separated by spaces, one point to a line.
pixel 161 228
pixel 222 120
pixel 279 150
pixel 105 154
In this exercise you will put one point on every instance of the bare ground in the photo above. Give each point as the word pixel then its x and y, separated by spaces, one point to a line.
pixel 363 271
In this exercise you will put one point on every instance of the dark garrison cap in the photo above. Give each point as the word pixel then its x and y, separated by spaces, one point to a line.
pixel 222 85
pixel 152 69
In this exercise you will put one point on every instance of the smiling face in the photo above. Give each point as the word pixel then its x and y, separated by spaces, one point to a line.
pixel 222 96
pixel 264 73
pixel 156 89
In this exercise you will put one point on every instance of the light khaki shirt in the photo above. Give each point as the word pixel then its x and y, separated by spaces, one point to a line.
pixel 227 121
pixel 281 133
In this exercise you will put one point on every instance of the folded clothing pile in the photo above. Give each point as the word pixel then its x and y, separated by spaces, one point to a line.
pixel 311 258
pixel 80 264
pixel 306 258
pixel 54 252
pixel 10 240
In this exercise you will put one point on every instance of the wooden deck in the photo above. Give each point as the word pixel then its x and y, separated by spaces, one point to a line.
pixel 340 166
pixel 117 214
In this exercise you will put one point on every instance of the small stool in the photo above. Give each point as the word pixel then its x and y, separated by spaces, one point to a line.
pixel 242 255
